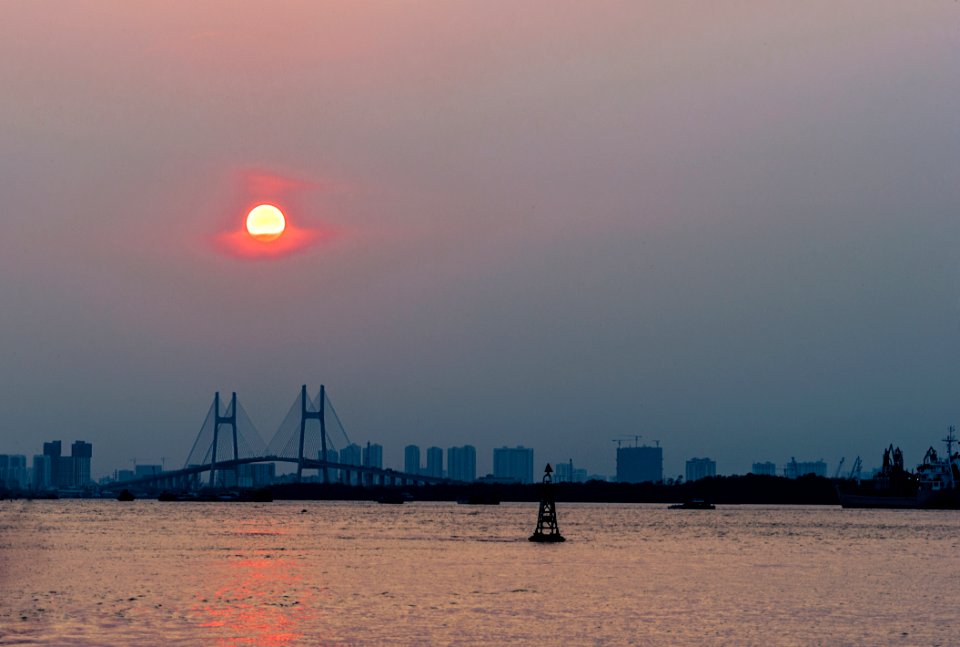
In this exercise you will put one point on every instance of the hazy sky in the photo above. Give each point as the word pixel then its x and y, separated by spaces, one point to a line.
pixel 730 226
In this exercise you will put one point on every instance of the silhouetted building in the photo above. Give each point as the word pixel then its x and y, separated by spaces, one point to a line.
pixel 125 475
pixel 81 454
pixel 64 472
pixel 639 464
pixel 53 450
pixel 566 473
pixel 515 463
pixel 434 462
pixel 226 479
pixel 796 469
pixel 700 468
pixel 764 469
pixel 141 471
pixel 462 463
pixel 373 455
pixel 257 474
pixel 411 459
pixel 42 472
pixel 13 471
pixel 350 455
pixel 333 456
pixel 67 471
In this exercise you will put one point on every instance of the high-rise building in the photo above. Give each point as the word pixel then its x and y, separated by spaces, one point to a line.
pixel 434 462
pixel 13 471
pixel 333 456
pixel 81 454
pixel 639 464
pixel 350 455
pixel 515 463
pixel 64 469
pixel 700 468
pixel 462 463
pixel 765 469
pixel 373 455
pixel 53 450
pixel 411 459
pixel 42 474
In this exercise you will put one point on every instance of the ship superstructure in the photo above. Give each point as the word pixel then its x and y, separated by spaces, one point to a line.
pixel 934 484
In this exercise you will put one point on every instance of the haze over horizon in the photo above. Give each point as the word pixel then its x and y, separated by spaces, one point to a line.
pixel 732 227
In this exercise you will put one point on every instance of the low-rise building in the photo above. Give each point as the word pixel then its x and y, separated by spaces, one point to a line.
pixel 796 469
pixel 768 468
pixel 700 468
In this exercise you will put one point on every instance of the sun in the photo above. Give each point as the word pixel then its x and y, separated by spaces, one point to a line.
pixel 265 222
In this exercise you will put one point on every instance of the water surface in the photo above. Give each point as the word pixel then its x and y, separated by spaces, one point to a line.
pixel 87 572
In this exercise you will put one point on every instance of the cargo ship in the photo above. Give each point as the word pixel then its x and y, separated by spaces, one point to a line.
pixel 935 485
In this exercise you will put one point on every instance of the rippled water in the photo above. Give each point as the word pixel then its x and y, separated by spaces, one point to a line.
pixel 298 573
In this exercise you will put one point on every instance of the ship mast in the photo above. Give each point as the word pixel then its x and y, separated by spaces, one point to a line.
pixel 949 440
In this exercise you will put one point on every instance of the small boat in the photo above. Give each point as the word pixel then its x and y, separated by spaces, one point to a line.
pixel 693 504
pixel 125 495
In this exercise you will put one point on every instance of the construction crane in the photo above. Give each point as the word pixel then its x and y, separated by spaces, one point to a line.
pixel 855 470
pixel 836 474
pixel 621 439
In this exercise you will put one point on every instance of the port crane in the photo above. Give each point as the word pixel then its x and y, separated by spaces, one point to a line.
pixel 855 470
pixel 836 474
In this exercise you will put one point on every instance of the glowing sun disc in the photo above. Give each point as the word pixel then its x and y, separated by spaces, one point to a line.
pixel 265 222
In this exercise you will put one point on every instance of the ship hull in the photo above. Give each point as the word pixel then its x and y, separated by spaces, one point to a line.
pixel 878 501
pixel 943 500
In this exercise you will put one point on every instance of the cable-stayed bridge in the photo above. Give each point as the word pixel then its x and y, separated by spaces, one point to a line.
pixel 309 435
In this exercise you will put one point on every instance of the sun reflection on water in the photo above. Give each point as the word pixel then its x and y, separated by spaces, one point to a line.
pixel 258 599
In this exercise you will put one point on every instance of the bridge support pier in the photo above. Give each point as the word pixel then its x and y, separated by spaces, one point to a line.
pixel 305 415
pixel 230 418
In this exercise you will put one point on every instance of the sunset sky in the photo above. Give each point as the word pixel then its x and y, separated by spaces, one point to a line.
pixel 733 227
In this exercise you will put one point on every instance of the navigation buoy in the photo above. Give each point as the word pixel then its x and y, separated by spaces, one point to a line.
pixel 547 530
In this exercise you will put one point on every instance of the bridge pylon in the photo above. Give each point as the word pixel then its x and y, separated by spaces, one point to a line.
pixel 307 414
pixel 228 418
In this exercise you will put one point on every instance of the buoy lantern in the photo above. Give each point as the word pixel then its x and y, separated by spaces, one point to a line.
pixel 547 530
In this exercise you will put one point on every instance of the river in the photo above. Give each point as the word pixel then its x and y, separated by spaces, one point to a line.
pixel 98 572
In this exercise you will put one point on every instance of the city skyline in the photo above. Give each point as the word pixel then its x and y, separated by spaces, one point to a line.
pixel 513 464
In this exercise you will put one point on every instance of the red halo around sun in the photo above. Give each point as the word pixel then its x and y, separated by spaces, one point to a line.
pixel 270 222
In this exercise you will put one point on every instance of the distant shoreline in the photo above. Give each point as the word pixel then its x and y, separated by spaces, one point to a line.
pixel 748 489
